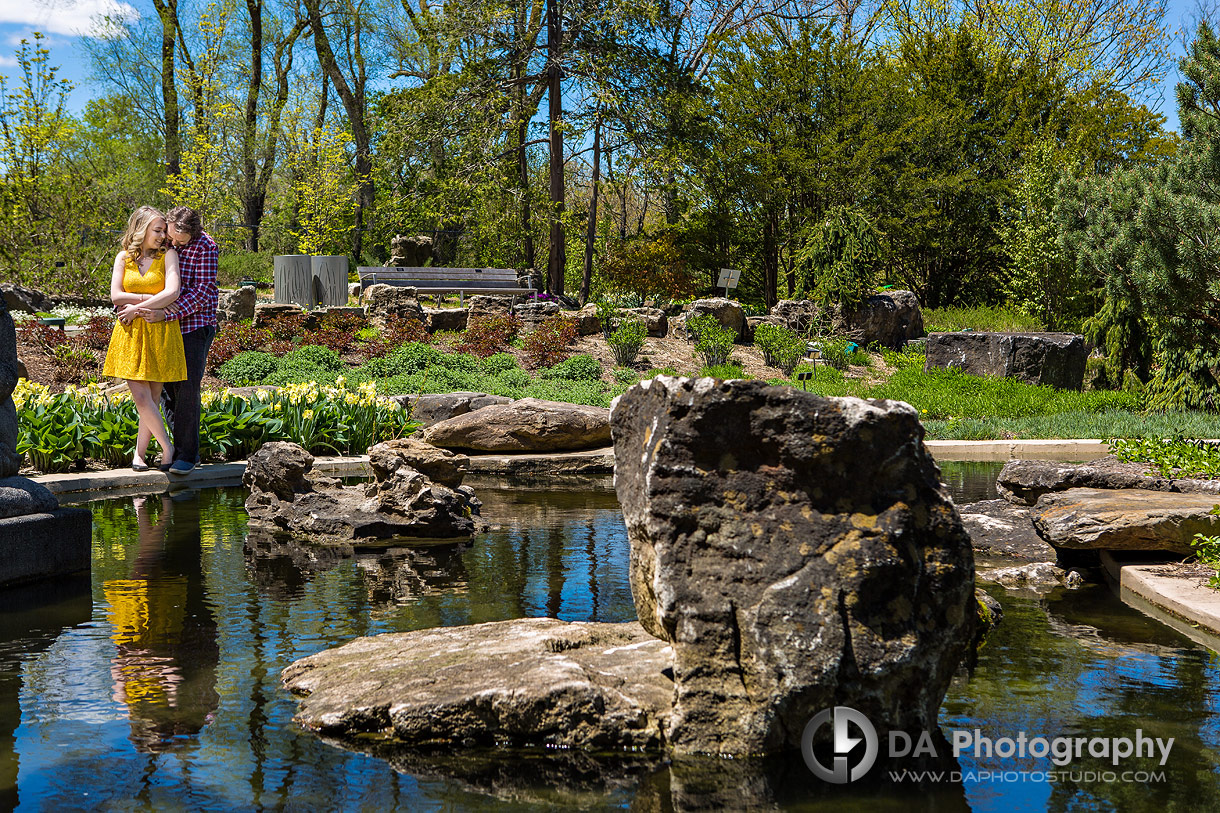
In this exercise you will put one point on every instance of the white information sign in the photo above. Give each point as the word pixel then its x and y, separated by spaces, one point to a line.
pixel 728 278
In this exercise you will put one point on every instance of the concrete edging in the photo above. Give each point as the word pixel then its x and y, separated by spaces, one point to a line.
pixel 1189 607
pixel 999 450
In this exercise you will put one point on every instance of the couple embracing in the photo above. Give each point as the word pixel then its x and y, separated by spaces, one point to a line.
pixel 163 286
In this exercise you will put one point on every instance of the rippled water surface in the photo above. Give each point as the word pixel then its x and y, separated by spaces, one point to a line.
pixel 153 683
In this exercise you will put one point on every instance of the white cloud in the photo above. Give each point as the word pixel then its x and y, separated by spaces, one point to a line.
pixel 72 17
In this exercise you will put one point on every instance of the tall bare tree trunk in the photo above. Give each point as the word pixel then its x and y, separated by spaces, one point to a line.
pixel 591 234
pixel 558 258
pixel 355 104
pixel 167 10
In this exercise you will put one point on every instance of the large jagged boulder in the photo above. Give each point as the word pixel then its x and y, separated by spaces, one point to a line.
pixel 533 314
pixel 1125 519
pixel 287 497
pixel 20 298
pixel 726 311
pixel 527 425
pixel 655 320
pixel 446 318
pixel 393 300
pixel 889 318
pixel 237 305
pixel 409 252
pixel 441 465
pixel 530 681
pixel 798 552
pixel 1050 359
pixel 800 315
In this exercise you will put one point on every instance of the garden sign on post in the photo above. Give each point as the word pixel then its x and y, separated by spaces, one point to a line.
pixel 728 279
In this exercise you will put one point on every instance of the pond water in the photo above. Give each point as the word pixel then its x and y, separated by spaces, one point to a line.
pixel 153 682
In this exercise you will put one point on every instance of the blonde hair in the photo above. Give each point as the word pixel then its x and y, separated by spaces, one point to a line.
pixel 132 240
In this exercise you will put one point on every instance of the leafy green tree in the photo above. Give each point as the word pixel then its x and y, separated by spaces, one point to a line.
pixel 1153 232
pixel 326 195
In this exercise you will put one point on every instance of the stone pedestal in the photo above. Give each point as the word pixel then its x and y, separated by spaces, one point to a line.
pixel 39 546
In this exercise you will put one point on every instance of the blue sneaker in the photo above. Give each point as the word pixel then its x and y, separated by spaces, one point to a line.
pixel 181 467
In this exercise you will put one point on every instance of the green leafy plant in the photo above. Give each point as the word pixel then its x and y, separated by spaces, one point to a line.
pixel 780 346
pixel 576 368
pixel 722 371
pixel 713 341
pixel 626 341
pixel 250 367
pixel 1207 551
pixel 1170 457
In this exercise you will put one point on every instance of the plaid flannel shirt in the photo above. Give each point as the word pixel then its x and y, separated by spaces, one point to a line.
pixel 198 263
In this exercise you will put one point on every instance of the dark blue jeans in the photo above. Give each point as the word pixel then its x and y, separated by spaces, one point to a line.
pixel 180 399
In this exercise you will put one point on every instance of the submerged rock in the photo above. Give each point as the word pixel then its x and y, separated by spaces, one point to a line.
pixel 797 551
pixel 530 681
pixel 287 497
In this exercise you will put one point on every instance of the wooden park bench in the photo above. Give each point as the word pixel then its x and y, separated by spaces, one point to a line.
pixel 447 280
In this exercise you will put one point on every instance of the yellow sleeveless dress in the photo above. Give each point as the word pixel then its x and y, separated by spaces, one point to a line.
pixel 145 351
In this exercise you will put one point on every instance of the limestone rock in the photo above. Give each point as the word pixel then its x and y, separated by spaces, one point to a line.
pixel 1051 359
pixel 286 497
pixel 267 312
pixel 410 252
pixel 797 551
pixel 10 461
pixel 796 314
pixel 1023 481
pixel 353 290
pixel 888 318
pixel 752 323
pixel 1124 519
pixel 726 311
pixel 281 468
pixel 533 314
pixel 655 320
pixel 587 323
pixel 22 372
pixel 434 408
pixel 238 305
pixel 527 425
pixel 483 305
pixel 27 300
pixel 393 300
pixel 441 465
pixel 446 318
pixel 998 528
pixel 530 681
pixel 20 496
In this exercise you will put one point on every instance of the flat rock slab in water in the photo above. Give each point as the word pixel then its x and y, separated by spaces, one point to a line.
pixel 531 681
pixel 1024 481
pixel 1125 519
pixel 998 528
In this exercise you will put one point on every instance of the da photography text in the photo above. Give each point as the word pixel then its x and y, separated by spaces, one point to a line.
pixel 856 747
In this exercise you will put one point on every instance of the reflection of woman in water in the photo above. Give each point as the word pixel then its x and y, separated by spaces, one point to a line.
pixel 164 669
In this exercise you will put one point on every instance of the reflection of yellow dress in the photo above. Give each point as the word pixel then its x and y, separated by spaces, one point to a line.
pixel 144 351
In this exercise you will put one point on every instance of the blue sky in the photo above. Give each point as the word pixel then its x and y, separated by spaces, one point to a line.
pixel 66 22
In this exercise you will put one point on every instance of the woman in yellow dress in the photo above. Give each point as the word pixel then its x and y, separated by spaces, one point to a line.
pixel 145 354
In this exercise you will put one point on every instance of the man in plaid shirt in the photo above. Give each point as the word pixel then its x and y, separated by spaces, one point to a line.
pixel 195 312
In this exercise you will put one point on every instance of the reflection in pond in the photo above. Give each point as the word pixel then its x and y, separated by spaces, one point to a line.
pixel 166 653
pixel 163 691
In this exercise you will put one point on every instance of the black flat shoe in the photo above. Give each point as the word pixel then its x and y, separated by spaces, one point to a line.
pixel 139 467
